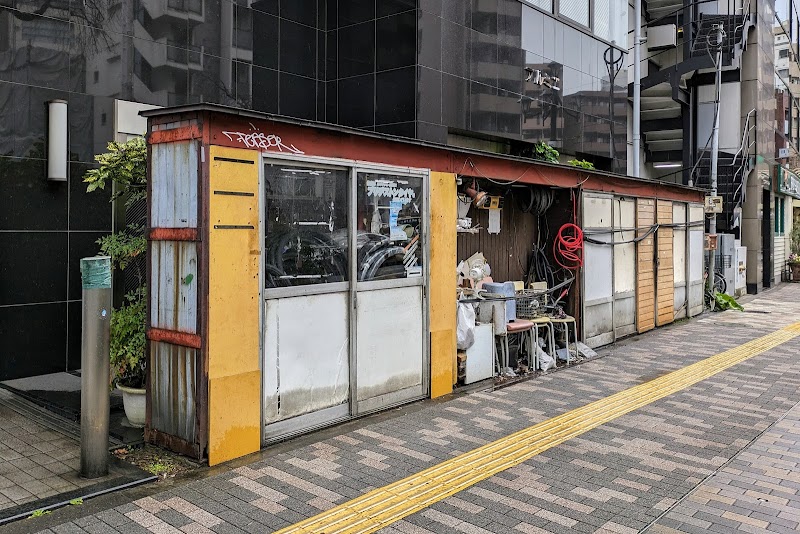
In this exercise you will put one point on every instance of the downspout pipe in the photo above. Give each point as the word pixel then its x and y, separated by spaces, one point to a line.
pixel 637 85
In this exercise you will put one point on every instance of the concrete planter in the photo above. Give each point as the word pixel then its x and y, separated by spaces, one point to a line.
pixel 134 401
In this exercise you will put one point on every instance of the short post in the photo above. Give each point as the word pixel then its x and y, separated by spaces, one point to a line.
pixel 95 365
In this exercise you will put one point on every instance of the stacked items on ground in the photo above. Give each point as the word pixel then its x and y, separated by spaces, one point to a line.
pixel 505 329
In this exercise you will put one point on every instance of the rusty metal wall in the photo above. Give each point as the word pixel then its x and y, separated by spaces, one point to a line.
pixel 173 376
pixel 173 287
pixel 174 185
pixel 507 252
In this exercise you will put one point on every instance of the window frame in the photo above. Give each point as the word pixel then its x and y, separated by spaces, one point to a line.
pixel 555 12
pixel 353 167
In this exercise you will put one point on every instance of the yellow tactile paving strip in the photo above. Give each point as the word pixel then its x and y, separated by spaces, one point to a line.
pixel 383 506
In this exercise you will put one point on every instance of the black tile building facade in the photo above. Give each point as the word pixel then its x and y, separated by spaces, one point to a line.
pixel 446 71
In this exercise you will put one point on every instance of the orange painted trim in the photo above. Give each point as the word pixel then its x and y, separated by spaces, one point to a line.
pixel 174 234
pixel 175 134
pixel 183 339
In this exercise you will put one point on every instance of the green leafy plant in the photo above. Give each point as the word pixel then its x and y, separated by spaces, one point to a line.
pixel 582 163
pixel 124 246
pixel 76 502
pixel 158 468
pixel 129 340
pixel 544 152
pixel 125 164
pixel 795 246
pixel 39 513
pixel 726 302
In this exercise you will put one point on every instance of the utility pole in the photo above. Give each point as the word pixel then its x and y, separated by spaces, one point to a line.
pixel 712 223
pixel 637 83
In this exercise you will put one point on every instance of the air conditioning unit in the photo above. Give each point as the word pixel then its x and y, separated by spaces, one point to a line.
pixel 662 37
pixel 740 287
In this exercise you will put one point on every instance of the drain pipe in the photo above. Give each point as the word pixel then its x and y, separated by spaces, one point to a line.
pixel 637 84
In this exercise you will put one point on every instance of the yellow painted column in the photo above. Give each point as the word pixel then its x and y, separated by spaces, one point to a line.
pixel 234 375
pixel 443 282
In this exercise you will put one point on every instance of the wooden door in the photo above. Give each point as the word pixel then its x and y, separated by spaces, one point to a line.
pixel 665 269
pixel 645 260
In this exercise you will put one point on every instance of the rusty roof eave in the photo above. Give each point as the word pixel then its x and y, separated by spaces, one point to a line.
pixel 245 113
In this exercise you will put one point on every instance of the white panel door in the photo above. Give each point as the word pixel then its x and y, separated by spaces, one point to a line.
pixel 598 292
pixel 624 267
pixel 306 355
pixel 390 342
pixel 679 257
pixel 696 259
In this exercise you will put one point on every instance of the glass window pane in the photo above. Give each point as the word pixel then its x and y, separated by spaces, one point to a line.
pixel 611 21
pixel 602 18
pixel 547 5
pixel 390 211
pixel 577 10
pixel 305 225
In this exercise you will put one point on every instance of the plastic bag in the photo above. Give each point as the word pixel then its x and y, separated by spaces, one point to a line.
pixel 465 329
pixel 545 360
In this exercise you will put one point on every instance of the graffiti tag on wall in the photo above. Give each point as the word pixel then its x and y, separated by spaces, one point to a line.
pixel 262 141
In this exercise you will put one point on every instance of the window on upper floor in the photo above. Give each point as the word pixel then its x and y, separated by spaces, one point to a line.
pixel 783 53
pixel 783 73
pixel 576 10
pixel 608 19
pixel 547 5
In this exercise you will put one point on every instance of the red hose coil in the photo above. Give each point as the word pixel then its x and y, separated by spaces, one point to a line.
pixel 568 247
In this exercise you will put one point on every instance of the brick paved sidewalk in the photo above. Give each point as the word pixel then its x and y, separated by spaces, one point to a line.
pixel 40 460
pixel 618 477
pixel 756 492
pixel 35 462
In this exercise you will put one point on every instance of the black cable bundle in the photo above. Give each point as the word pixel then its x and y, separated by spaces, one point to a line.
pixel 539 268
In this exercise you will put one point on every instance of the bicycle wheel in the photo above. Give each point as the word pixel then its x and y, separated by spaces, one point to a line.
pixel 720 285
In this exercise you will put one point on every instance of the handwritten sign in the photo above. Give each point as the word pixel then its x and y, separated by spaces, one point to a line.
pixel 262 141
pixel 390 189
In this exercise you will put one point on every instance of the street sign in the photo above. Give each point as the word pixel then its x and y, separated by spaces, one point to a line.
pixel 713 204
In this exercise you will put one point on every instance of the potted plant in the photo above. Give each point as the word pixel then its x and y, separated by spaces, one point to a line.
pixel 794 257
pixel 125 164
pixel 794 264
pixel 128 354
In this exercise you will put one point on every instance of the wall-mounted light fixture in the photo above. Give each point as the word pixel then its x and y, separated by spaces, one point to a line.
pixel 57 144
pixel 667 165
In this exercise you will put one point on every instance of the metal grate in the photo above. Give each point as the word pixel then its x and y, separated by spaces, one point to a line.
pixel 136 271
pixel 722 261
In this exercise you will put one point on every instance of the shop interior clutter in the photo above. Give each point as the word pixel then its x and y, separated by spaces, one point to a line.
pixel 515 280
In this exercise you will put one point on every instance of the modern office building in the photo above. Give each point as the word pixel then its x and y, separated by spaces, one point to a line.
pixel 497 75
pixel 678 97
pixel 787 141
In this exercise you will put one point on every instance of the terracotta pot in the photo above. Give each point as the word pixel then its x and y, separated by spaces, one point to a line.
pixel 134 401
pixel 795 271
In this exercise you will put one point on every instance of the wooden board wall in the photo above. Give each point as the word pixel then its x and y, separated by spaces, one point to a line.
pixel 665 268
pixel 507 252
pixel 645 282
